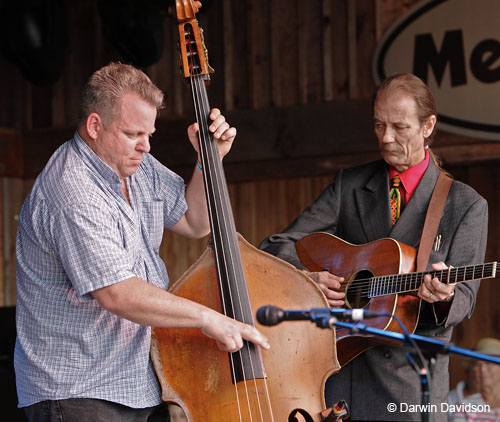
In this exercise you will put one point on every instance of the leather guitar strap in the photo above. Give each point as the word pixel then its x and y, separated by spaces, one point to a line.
pixel 432 219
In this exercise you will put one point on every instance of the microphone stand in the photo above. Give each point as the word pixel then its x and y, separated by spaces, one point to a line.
pixel 327 318
pixel 418 342
pixel 425 384
pixel 425 343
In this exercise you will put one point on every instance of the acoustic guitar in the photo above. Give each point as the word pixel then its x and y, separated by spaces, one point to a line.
pixel 377 276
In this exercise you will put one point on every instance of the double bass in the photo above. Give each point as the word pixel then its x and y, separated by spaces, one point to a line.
pixel 285 383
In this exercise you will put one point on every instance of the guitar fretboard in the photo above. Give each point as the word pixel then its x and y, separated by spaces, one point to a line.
pixel 402 283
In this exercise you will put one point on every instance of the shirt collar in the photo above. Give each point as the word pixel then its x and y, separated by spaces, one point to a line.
pixel 411 177
pixel 90 157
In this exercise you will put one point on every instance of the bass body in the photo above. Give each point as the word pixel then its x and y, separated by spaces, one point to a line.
pixel 198 377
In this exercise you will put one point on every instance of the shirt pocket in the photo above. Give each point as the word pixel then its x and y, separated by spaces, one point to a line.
pixel 152 220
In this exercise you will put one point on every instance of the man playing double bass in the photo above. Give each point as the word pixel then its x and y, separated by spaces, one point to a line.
pixel 357 208
pixel 90 281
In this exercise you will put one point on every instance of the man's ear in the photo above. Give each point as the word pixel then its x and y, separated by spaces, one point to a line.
pixel 93 125
pixel 429 126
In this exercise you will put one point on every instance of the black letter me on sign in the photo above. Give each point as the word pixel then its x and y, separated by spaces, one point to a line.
pixel 482 69
pixel 452 51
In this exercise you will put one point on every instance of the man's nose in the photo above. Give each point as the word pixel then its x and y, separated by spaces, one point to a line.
pixel 388 136
pixel 143 144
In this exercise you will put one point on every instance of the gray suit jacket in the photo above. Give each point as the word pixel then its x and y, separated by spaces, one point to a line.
pixel 356 208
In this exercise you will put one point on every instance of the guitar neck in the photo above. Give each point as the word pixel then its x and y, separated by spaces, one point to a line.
pixel 405 283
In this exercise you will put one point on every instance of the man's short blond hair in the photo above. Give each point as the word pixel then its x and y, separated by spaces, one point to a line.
pixel 103 91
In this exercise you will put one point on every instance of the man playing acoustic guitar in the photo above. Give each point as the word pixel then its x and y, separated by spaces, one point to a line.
pixel 380 384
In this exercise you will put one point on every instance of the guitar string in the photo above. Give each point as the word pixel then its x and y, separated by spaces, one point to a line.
pixel 369 289
pixel 217 178
pixel 411 278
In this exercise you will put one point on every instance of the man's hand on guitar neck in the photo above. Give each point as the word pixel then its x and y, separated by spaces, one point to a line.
pixel 331 286
pixel 433 290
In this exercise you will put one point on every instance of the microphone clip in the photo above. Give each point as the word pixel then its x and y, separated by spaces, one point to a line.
pixel 322 318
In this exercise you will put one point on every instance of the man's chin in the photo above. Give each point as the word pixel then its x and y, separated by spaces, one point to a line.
pixel 390 159
pixel 131 170
pixel 135 165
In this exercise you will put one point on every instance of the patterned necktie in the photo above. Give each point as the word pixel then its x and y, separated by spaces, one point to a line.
pixel 396 199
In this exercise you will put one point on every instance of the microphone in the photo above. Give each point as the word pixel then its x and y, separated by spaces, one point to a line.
pixel 272 315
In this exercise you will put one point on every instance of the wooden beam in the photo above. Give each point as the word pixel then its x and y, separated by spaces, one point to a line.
pixel 284 142
pixel 452 155
pixel 473 153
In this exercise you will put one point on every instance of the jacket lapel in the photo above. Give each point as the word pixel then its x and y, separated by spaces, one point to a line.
pixel 373 205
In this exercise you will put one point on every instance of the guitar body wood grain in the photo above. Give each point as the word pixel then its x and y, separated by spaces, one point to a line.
pixel 324 251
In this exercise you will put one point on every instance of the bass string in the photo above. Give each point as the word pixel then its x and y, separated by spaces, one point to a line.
pixel 227 230
pixel 215 212
pixel 202 134
pixel 210 159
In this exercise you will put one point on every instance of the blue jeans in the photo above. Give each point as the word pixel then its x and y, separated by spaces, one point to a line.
pixel 93 410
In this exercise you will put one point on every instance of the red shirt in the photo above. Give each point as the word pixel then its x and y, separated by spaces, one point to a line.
pixel 410 178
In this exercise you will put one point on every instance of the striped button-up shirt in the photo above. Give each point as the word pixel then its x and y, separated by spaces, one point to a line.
pixel 77 233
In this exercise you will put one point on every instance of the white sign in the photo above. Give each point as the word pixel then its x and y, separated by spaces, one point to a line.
pixel 454 46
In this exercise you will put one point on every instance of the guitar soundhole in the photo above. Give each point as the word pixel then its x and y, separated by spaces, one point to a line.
pixel 358 289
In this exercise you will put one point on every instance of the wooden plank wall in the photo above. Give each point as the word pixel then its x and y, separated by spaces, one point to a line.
pixel 267 54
